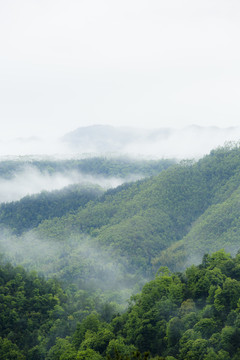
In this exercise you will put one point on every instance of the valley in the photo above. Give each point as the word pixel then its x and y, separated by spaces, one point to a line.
pixel 94 247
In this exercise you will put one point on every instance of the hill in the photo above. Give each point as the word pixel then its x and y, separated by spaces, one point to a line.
pixel 136 222
pixel 170 219
pixel 30 211
pixel 142 219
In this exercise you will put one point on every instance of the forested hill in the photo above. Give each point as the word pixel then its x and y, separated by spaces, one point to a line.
pixel 139 221
pixel 170 219
pixel 30 211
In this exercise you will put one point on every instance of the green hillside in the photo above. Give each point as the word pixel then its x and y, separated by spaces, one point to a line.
pixel 30 211
pixel 136 222
pixel 170 219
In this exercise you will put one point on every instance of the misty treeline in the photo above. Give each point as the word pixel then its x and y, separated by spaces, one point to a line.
pixel 100 246
pixel 27 175
pixel 107 166
pixel 30 211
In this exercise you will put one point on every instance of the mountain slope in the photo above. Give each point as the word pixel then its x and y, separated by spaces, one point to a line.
pixel 218 227
pixel 172 218
pixel 30 211
pixel 138 221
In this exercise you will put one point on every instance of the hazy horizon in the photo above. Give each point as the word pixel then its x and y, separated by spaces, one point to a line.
pixel 191 141
pixel 153 64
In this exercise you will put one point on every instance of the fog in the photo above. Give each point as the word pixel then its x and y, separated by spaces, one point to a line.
pixel 32 146
pixel 188 143
pixel 66 63
pixel 180 143
pixel 31 181
pixel 78 260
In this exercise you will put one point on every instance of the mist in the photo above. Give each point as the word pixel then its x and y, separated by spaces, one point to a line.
pixel 180 143
pixel 30 181
pixel 77 261
pixel 187 143
pixel 32 146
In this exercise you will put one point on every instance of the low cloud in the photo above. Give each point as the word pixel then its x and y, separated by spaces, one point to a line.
pixel 78 260
pixel 31 181
pixel 190 142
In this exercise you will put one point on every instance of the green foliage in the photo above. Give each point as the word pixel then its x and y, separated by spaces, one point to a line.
pixel 30 211
pixel 189 327
pixel 10 351
pixel 62 350
pixel 88 354
pixel 187 316
pixel 26 305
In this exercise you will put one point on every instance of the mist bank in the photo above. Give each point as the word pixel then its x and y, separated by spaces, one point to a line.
pixel 180 143
pixel 28 175
pixel 189 142
pixel 78 261
pixel 32 181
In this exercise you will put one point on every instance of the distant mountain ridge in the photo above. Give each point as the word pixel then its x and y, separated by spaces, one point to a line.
pixel 164 142
pixel 190 141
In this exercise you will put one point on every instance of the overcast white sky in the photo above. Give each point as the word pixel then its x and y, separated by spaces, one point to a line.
pixel 149 63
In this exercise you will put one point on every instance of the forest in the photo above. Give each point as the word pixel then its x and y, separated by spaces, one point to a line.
pixel 149 269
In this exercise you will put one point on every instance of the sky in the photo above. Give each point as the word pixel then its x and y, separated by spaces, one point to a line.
pixel 141 63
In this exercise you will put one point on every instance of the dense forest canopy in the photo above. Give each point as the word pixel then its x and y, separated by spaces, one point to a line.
pixel 182 316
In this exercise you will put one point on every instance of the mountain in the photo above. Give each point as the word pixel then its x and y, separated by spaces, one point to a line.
pixel 30 211
pixel 188 142
pixel 41 250
pixel 137 223
pixel 29 175
pixel 170 219
pixel 101 140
